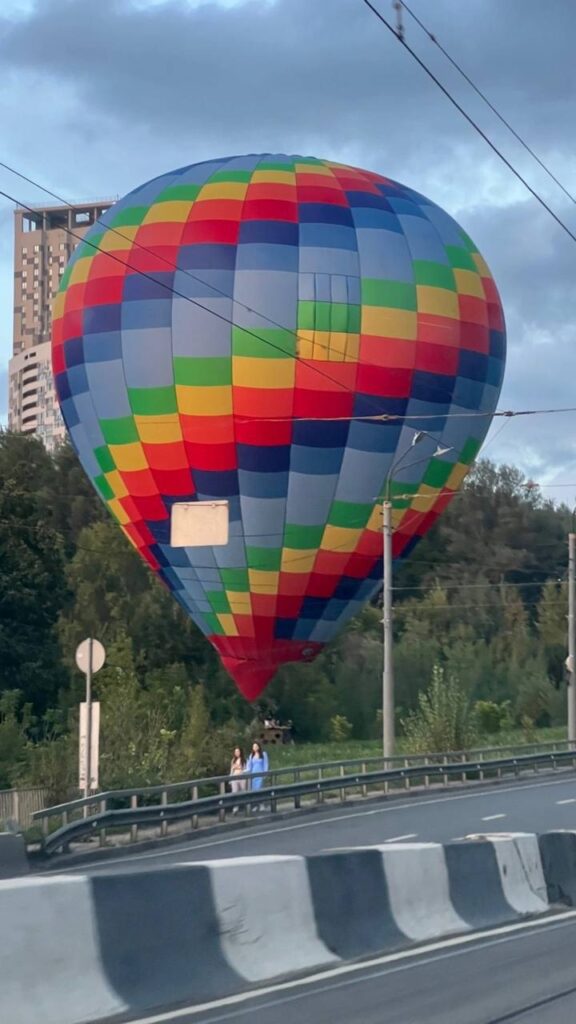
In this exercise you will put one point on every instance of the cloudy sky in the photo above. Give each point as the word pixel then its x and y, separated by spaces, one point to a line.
pixel 96 98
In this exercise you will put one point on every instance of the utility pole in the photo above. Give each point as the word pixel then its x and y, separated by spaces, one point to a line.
pixel 572 634
pixel 388 664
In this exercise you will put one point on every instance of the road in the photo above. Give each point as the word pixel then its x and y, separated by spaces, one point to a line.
pixel 526 806
pixel 523 974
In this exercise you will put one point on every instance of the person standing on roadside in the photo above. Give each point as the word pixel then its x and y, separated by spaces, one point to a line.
pixel 238 780
pixel 257 764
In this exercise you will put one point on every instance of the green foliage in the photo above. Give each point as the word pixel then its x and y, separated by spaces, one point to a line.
pixel 479 599
pixel 443 719
pixel 340 729
pixel 491 717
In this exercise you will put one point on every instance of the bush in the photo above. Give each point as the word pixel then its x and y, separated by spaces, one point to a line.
pixel 492 717
pixel 340 728
pixel 444 719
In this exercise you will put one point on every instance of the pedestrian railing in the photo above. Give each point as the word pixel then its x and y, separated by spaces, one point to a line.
pixel 205 801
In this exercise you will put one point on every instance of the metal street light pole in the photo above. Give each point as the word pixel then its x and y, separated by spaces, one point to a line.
pixel 571 688
pixel 388 723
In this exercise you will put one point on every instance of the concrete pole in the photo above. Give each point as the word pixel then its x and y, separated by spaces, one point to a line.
pixel 572 637
pixel 388 666
pixel 87 787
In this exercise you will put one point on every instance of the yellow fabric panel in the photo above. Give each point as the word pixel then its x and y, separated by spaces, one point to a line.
pixel 313 169
pixel 438 301
pixel 263 581
pixel 297 560
pixel 228 624
pixel 376 518
pixel 469 283
pixel 273 177
pixel 340 538
pixel 483 268
pixel 458 474
pixel 119 239
pixel 118 511
pixel 204 401
pixel 174 211
pixel 390 323
pixel 240 603
pixel 81 270
pixel 129 456
pixel 117 484
pixel 251 372
pixel 223 190
pixel 58 305
pixel 305 343
pixel 159 429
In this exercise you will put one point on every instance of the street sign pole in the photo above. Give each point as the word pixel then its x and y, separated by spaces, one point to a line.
pixel 90 657
pixel 88 719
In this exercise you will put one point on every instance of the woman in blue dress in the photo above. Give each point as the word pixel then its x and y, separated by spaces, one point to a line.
pixel 257 762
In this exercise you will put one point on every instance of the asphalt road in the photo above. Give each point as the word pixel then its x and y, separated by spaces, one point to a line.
pixel 526 976
pixel 526 806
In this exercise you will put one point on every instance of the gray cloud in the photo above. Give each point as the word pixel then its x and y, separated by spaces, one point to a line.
pixel 123 91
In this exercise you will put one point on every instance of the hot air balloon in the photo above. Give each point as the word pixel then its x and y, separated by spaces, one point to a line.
pixel 271 330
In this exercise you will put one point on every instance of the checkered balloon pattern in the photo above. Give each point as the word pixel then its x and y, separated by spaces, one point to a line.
pixel 271 330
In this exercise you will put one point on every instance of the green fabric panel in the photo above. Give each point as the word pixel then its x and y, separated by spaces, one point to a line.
pixel 213 623
pixel 104 458
pixel 230 176
pixel 265 559
pixel 174 193
pixel 219 601
pixel 104 487
pixel 389 294
pixel 460 258
pixel 437 473
pixel 130 217
pixel 152 401
pixel 470 450
pixel 202 371
pixel 434 274
pixel 235 579
pixel 353 515
pixel 263 343
pixel 120 431
pixel 303 537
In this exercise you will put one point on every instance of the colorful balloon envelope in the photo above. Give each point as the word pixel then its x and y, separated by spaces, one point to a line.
pixel 272 330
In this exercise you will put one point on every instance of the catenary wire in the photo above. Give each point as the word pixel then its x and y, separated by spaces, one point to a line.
pixel 536 195
pixel 434 39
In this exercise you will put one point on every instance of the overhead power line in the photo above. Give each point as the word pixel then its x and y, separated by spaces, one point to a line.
pixel 434 39
pixel 536 195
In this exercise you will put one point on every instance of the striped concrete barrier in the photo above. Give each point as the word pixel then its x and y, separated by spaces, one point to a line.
pixel 76 949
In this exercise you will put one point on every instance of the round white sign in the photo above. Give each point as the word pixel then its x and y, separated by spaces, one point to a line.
pixel 83 653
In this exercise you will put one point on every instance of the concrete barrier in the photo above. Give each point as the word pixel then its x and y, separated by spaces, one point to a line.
pixel 266 916
pixel 352 903
pixel 76 949
pixel 558 853
pixel 50 966
pixel 13 857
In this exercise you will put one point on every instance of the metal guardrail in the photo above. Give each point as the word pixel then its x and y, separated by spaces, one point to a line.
pixel 273 795
pixel 194 786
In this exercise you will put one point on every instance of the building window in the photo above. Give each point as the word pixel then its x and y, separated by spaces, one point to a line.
pixel 36 248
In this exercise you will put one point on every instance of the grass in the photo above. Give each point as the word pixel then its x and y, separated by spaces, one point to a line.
pixel 314 753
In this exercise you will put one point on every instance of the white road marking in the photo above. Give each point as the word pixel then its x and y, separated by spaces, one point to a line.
pixel 493 817
pixel 400 839
pixel 494 937
pixel 176 851
pixel 571 801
